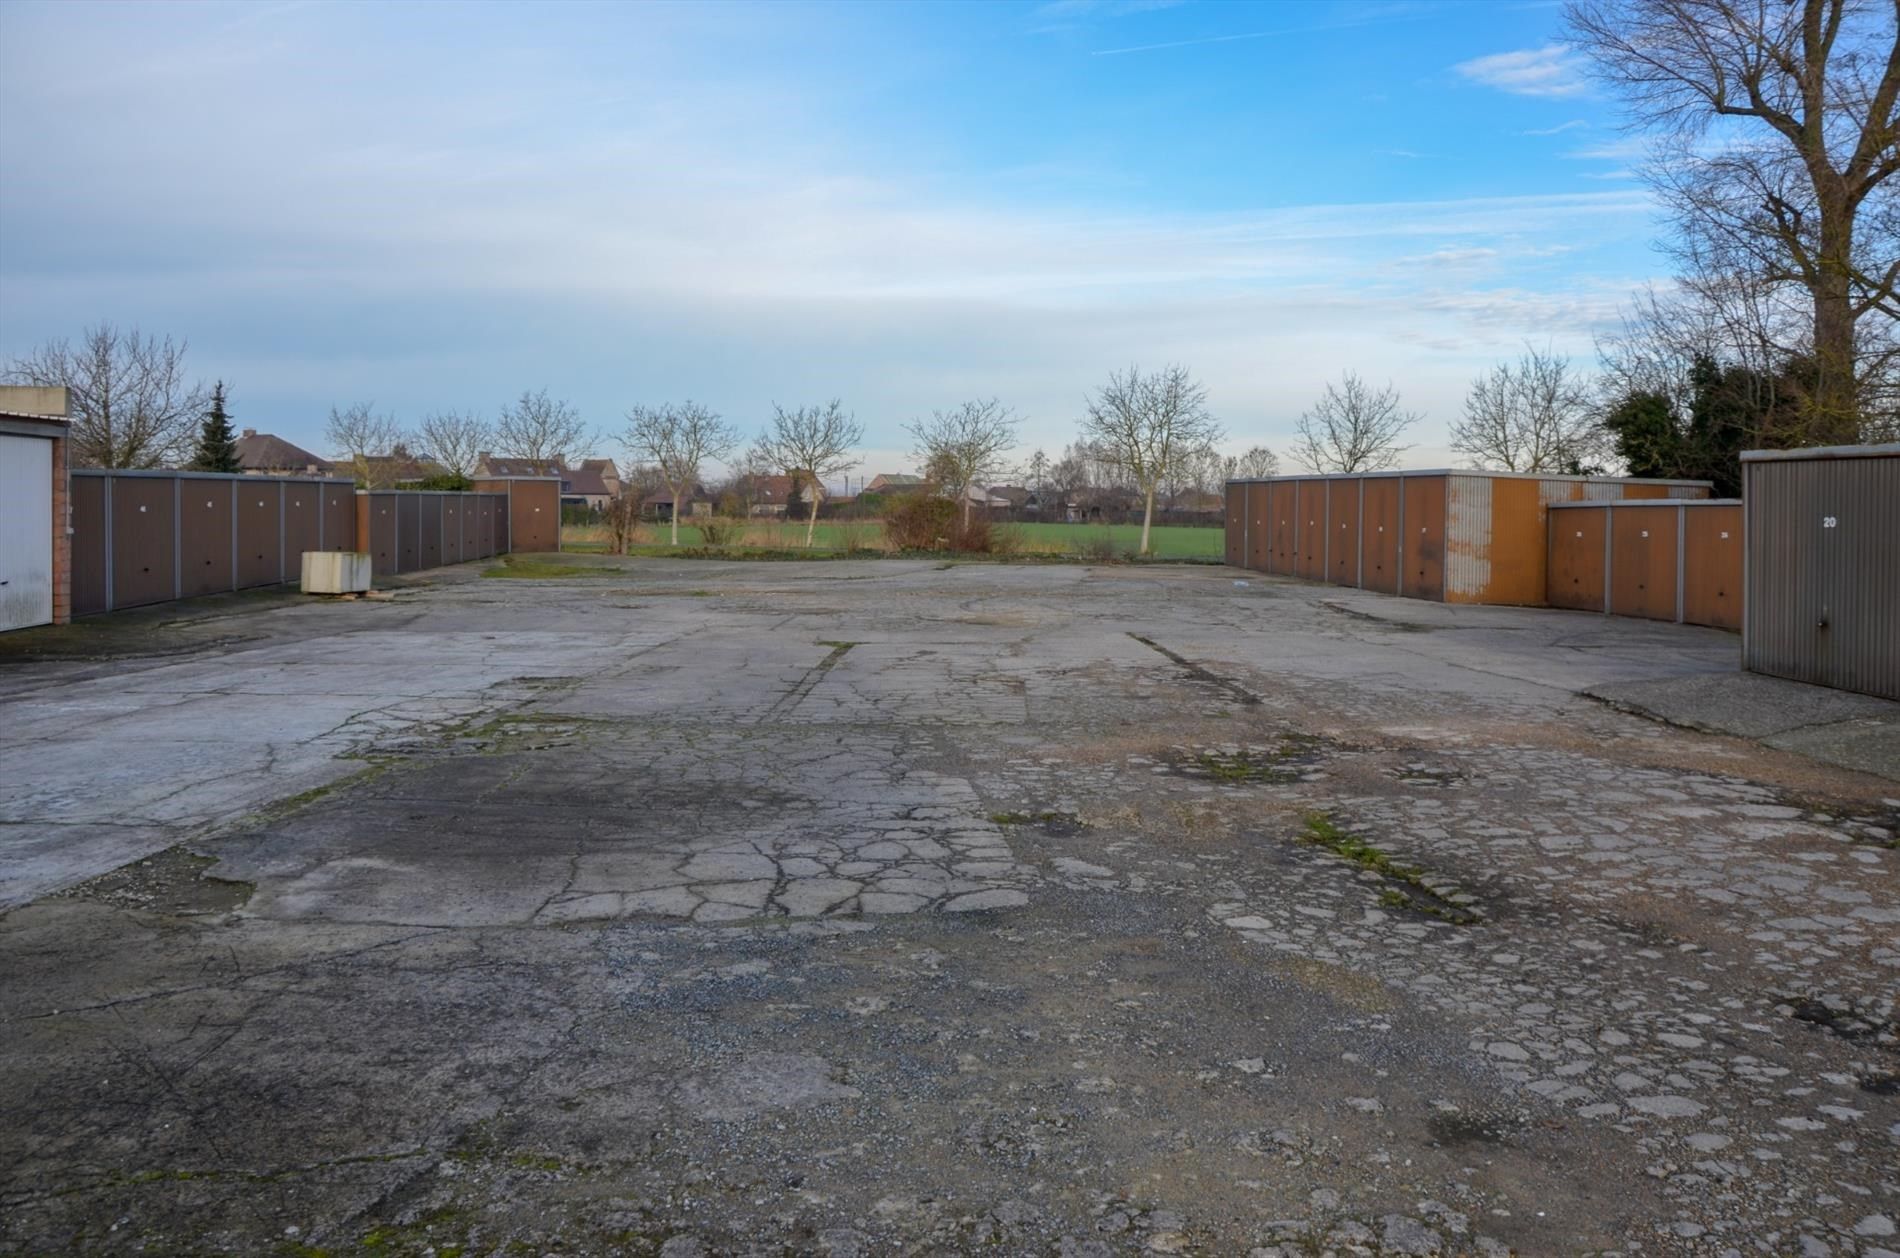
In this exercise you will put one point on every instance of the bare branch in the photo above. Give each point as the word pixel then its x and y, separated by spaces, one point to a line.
pixel 1353 428
pixel 678 438
pixel 131 404
pixel 1145 425
pixel 811 441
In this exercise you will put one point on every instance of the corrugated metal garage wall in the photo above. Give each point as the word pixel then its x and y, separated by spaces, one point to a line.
pixel 1663 559
pixel 150 537
pixel 1463 537
pixel 532 521
pixel 1823 566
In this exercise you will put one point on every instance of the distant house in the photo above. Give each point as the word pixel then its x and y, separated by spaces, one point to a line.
pixel 771 494
pixel 585 486
pixel 594 484
pixel 389 470
pixel 896 483
pixel 609 474
pixel 1015 495
pixel 659 504
pixel 261 454
pixel 487 464
pixel 982 497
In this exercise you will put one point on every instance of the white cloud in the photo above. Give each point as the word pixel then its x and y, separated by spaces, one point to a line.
pixel 1548 71
pixel 1559 129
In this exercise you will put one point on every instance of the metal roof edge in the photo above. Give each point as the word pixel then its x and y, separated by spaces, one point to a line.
pixel 1645 502
pixel 1468 471
pixel 183 474
pixel 1885 450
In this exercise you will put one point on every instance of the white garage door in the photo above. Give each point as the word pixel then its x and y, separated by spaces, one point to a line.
pixel 26 532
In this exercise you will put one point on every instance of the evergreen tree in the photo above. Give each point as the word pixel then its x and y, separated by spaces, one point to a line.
pixel 217 446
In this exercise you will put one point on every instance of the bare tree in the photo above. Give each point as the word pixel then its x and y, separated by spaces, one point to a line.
pixel 814 443
pixel 1257 463
pixel 364 440
pixel 1802 96
pixel 541 428
pixel 1353 428
pixel 456 440
pixel 1533 415
pixel 131 404
pixel 678 438
pixel 1146 424
pixel 962 448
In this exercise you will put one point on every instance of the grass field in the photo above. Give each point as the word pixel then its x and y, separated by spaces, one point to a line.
pixel 1093 541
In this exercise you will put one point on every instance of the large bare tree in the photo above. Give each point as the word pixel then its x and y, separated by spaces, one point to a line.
pixel 540 428
pixel 961 448
pixel 1147 424
pixel 131 403
pixel 1533 415
pixel 1779 143
pixel 678 438
pixel 456 440
pixel 1258 462
pixel 1353 428
pixel 811 443
pixel 365 440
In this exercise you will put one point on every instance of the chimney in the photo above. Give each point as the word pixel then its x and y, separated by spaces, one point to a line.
pixel 250 432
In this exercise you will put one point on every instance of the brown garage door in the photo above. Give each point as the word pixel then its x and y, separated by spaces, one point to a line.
pixel 1422 507
pixel 144 560
pixel 380 516
pixel 1380 540
pixel 260 553
pixel 1643 562
pixel 89 544
pixel 339 519
pixel 204 536
pixel 1342 531
pixel 429 535
pixel 303 511
pixel 1574 574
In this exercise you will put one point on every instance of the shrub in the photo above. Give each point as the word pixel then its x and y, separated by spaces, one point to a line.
pixel 1099 548
pixel 717 530
pixel 921 522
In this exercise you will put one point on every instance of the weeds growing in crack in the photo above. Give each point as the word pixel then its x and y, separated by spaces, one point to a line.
pixel 1417 895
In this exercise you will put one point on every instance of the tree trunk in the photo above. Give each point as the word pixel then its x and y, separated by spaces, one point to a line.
pixel 811 521
pixel 1147 519
pixel 676 517
pixel 1835 406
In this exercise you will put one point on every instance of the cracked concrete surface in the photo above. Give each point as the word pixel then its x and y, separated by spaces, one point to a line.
pixel 885 907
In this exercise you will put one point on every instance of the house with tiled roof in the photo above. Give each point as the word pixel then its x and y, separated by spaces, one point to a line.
pixel 896 483
pixel 262 454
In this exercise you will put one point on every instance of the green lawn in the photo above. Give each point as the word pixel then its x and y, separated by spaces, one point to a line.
pixel 1170 541
pixel 1086 540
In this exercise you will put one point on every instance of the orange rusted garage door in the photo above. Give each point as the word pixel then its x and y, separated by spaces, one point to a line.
pixel 1310 516
pixel 1255 508
pixel 1380 533
pixel 1282 557
pixel 1574 576
pixel 204 536
pixel 1342 530
pixel 1235 505
pixel 1712 566
pixel 1643 562
pixel 1422 507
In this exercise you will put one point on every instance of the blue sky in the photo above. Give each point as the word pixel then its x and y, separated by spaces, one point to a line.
pixel 437 206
